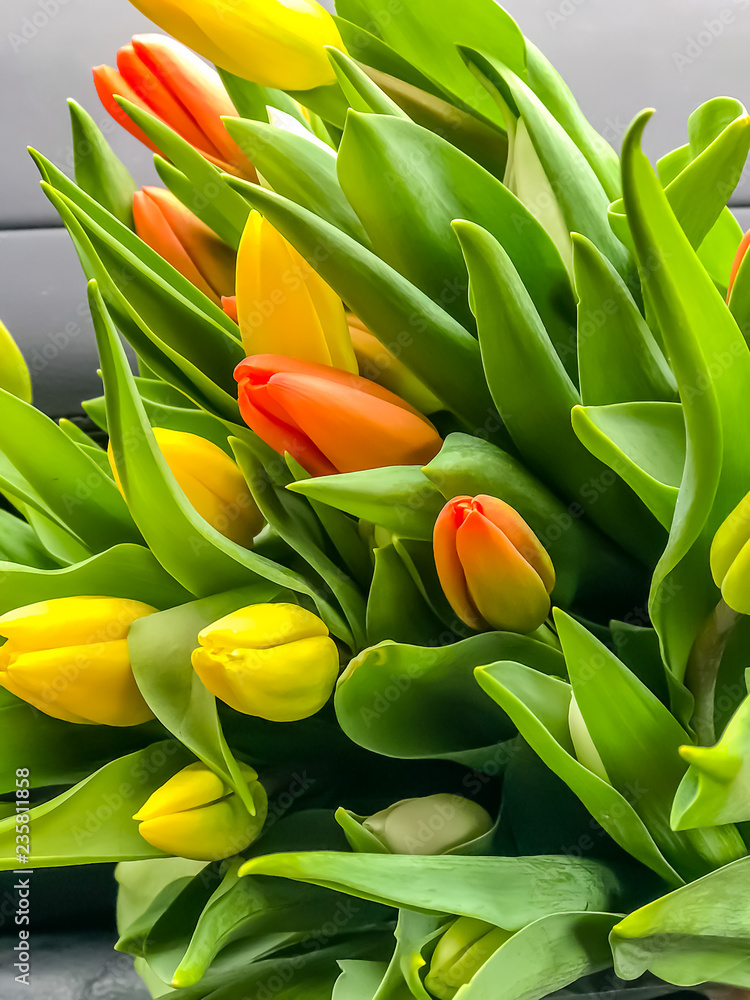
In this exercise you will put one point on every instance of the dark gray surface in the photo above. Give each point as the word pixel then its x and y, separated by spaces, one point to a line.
pixel 72 967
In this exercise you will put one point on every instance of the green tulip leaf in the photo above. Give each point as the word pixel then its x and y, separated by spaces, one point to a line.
pixel 409 222
pixel 362 93
pixel 509 892
pixel 398 498
pixel 536 409
pixel 644 443
pixel 98 171
pixel 20 544
pixel 429 342
pixel 631 729
pixel 711 363
pixel 298 169
pixel 618 357
pixel 396 608
pixel 696 934
pixel 411 701
pixel 546 955
pixel 539 707
pixel 193 198
pixel 91 822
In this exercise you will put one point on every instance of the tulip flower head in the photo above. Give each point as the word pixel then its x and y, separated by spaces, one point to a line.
pixel 349 423
pixel 460 953
pixel 275 43
pixel 69 658
pixel 196 815
pixel 274 661
pixel 283 305
pixel 162 221
pixel 730 558
pixel 160 75
pixel 431 824
pixel 211 481
pixel 492 567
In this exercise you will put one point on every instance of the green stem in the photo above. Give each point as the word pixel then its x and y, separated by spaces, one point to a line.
pixel 703 669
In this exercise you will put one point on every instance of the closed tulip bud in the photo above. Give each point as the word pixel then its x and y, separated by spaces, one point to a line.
pixel 460 953
pixel 162 221
pixel 275 43
pixel 349 423
pixel 161 76
pixel 274 661
pixel 730 558
pixel 283 305
pixel 196 815
pixel 432 824
pixel 586 752
pixel 492 567
pixel 69 658
pixel 211 481
pixel 380 365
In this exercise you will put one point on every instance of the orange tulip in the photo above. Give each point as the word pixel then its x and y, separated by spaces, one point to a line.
pixel 164 77
pixel 229 305
pixel 492 567
pixel 329 420
pixel 162 221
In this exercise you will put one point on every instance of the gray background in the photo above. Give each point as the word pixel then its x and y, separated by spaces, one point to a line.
pixel 617 55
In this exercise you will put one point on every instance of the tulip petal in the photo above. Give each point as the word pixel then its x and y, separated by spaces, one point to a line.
pixel 509 594
pixel 69 621
pixel 94 681
pixel 262 626
pixel 208 833
pixel 523 539
pixel 354 430
pixel 449 568
pixel 108 83
pixel 193 786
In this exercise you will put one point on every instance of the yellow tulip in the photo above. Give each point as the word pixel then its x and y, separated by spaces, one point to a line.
pixel 283 306
pixel 432 824
pixel 275 43
pixel 211 481
pixel 196 815
pixel 274 661
pixel 460 953
pixel 69 658
pixel 730 558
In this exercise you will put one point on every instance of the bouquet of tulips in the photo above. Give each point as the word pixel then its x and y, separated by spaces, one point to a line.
pixel 397 645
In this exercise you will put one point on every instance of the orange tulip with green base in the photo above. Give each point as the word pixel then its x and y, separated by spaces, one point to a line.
pixel 492 567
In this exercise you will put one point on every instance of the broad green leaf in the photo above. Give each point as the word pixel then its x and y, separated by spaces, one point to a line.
pixel 204 175
pixel 711 363
pixel 190 549
pixel 414 932
pixel 509 892
pixel 14 373
pixel 536 407
pixel 429 342
pixel 552 952
pixel 412 701
pixel 252 101
pixel 577 189
pixel 619 360
pixel 128 571
pixel 299 170
pixel 20 544
pixel 426 34
pixel 399 498
pixel 396 609
pixel 98 171
pixel 696 934
pixel 539 705
pixel 644 443
pixel 408 212
pixel 67 481
pixel 589 568
pixel 290 516
pixel 631 729
pixel 59 753
pixel 362 93
pixel 160 649
pixel 193 198
pixel 554 93
pixel 86 445
pixel 92 822
pixel 716 786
